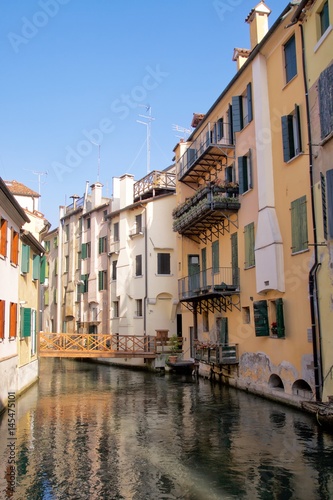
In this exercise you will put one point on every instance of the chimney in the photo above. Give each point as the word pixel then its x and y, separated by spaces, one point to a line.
pixel 96 192
pixel 258 21
pixel 126 190
pixel 240 56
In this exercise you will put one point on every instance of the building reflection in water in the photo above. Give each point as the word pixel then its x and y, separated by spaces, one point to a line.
pixel 91 431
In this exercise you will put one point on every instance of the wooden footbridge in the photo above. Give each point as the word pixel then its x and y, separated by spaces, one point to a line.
pixel 98 345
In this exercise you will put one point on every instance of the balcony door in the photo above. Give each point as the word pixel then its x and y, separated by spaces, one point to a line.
pixel 193 272
pixel 234 259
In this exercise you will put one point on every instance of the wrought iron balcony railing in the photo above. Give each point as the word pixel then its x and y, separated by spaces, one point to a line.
pixel 221 281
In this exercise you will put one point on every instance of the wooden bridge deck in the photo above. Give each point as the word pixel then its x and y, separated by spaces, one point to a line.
pixel 88 345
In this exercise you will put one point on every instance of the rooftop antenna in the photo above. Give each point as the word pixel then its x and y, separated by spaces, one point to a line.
pixel 148 125
pixel 185 131
pixel 99 158
pixel 39 175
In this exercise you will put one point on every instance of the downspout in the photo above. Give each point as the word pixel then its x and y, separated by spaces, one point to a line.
pixel 313 294
pixel 146 274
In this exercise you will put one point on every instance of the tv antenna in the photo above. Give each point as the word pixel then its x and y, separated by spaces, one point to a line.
pixel 148 125
pixel 185 131
pixel 99 158
pixel 39 175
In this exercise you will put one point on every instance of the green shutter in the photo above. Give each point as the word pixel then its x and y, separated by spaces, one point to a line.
pixel 100 245
pixel 56 266
pixel 242 174
pixel 25 260
pixel 36 267
pixel 234 259
pixel 25 321
pixel 249 102
pixel 237 113
pixel 215 257
pixel 100 280
pixel 230 125
pixel 279 318
pixel 298 129
pixel 249 245
pixel 84 251
pixel 261 318
pixel 43 265
pixel 288 137
pixel 299 227
pixel 46 297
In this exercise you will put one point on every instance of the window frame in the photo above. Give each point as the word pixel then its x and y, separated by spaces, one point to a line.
pixel 163 264
pixel 3 236
pixel 245 177
pixel 138 265
pixel 291 135
pixel 14 247
pixel 139 308
pixel 299 226
pixel 249 245
pixel 290 59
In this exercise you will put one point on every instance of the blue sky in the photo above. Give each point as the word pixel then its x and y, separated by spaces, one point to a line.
pixel 81 71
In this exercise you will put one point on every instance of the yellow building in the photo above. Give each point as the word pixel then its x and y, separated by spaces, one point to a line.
pixel 315 20
pixel 244 216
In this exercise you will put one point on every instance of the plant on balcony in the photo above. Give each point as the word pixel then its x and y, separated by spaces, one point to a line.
pixel 274 329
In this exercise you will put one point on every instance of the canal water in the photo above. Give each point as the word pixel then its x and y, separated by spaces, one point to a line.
pixel 89 431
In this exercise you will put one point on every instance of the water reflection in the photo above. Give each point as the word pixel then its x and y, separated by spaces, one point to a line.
pixel 94 432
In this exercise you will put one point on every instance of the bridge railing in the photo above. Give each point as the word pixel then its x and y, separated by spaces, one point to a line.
pixel 99 344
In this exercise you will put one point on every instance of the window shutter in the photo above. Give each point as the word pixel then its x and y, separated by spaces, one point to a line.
pixel 242 174
pixel 190 156
pixel 84 251
pixel 220 129
pixel 13 320
pixel 25 321
pixel 230 125
pixel 215 257
pixel 261 318
pixel 224 331
pixel 3 237
pixel 2 319
pixel 43 265
pixel 249 102
pixel 290 58
pixel 46 297
pixel 249 245
pixel 299 226
pixel 14 247
pixel 237 113
pixel 329 186
pixel 36 267
pixel 100 245
pixel 100 280
pixel 249 169
pixel 25 259
pixel 325 91
pixel 56 266
pixel 279 318
pixel 287 137
pixel 298 127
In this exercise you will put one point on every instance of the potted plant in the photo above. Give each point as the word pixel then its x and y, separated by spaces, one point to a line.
pixel 174 348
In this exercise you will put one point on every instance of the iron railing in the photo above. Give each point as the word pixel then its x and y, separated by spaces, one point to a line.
pixel 213 280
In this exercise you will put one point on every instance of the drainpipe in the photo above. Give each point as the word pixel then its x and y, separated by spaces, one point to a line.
pixel 146 274
pixel 313 285
pixel 59 277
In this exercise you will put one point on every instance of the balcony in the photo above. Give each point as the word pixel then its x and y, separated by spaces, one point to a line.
pixel 155 183
pixel 211 148
pixel 211 208
pixel 217 354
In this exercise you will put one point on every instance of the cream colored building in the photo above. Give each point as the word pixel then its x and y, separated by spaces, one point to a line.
pixel 244 214
pixel 315 20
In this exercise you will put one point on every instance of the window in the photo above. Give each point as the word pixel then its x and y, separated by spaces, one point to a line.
pixel 25 259
pixel 79 258
pixel 114 270
pixel 138 312
pixel 25 314
pixel 325 85
pixel 85 250
pixel 2 319
pixel 163 263
pixel 299 225
pixel 215 257
pixel 55 296
pixel 102 280
pixel 56 266
pixel 205 323
pixel 291 134
pixel 84 279
pixel 329 184
pixel 88 223
pixel 14 247
pixel 249 245
pixel 102 246
pixel 116 231
pixel 277 328
pixel 242 112
pixel 66 231
pixel 105 214
pixel 324 18
pixel 44 269
pixel 55 242
pixel 46 297
pixel 261 318
pixel 219 129
pixel 3 237
pixel 36 267
pixel 33 331
pixel 246 315
pixel 229 174
pixel 138 265
pixel 290 62
pixel 245 173
pixel 138 224
pixel 115 306
pixel 47 246
pixel 66 263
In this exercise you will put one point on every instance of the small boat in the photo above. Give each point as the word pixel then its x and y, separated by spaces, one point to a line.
pixel 181 365
pixel 322 411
